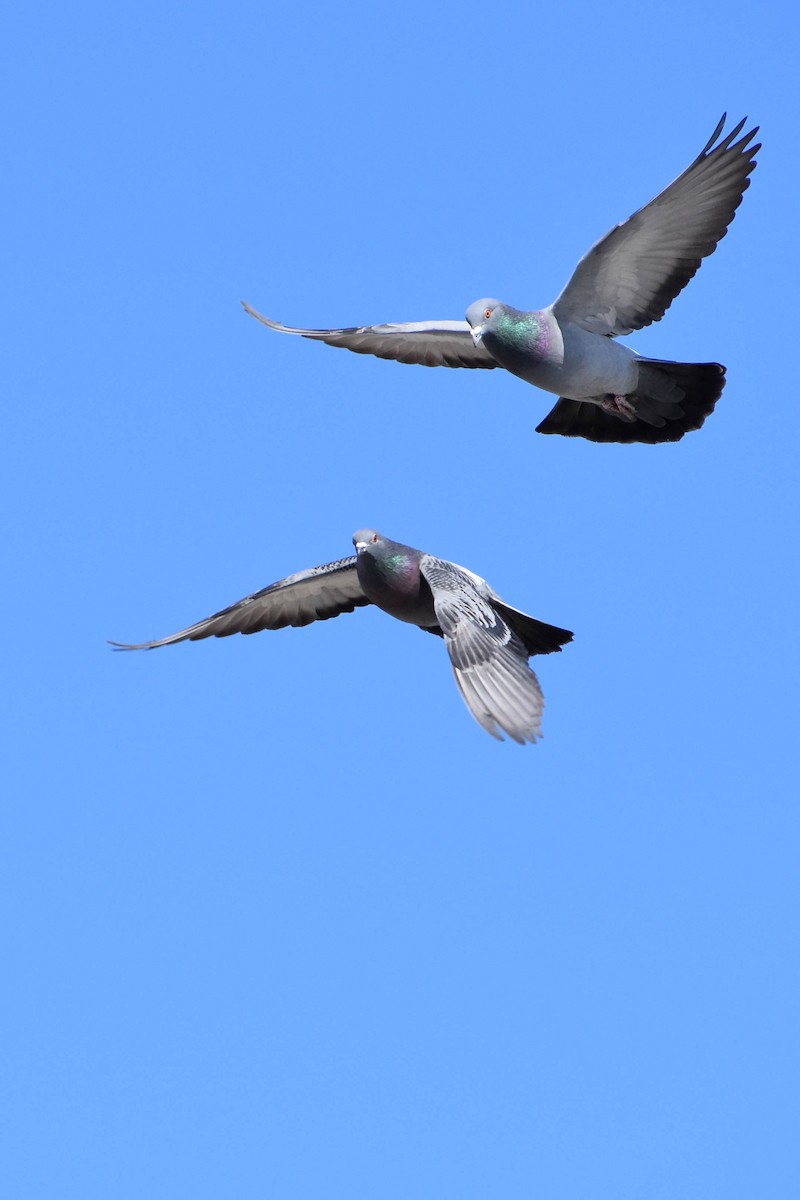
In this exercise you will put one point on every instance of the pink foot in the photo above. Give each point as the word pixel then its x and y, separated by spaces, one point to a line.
pixel 619 406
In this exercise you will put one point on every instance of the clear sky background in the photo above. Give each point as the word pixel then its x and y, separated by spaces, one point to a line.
pixel 279 919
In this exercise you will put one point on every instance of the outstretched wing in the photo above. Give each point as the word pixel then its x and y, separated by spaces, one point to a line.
pixel 632 275
pixel 490 662
pixel 428 343
pixel 313 595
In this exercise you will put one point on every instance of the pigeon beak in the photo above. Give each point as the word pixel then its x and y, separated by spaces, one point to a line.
pixel 477 334
pixel 360 546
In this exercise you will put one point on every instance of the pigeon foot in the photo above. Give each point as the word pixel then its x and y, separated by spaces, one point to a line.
pixel 618 406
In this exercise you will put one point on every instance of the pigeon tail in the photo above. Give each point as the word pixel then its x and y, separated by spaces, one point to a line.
pixel 537 636
pixel 671 399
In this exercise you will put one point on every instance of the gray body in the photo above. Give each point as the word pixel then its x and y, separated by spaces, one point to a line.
pixel 625 282
pixel 488 641
pixel 566 360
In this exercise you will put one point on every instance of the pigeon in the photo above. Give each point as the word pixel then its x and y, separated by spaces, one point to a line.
pixel 628 280
pixel 488 641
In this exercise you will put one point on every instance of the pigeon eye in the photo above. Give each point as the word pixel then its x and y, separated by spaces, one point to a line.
pixel 487 312
pixel 374 537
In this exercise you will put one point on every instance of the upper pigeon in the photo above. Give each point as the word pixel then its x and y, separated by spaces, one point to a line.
pixel 626 281
pixel 488 641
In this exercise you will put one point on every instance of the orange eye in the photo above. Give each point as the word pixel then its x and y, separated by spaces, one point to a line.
pixel 374 537
pixel 487 312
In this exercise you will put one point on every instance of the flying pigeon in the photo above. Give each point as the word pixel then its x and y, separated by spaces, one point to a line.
pixel 626 281
pixel 489 642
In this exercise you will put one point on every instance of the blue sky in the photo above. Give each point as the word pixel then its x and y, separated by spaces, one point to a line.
pixel 279 919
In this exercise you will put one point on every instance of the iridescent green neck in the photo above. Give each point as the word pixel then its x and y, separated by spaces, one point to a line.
pixel 517 328
pixel 395 574
pixel 393 565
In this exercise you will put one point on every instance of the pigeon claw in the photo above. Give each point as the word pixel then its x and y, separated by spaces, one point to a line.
pixel 618 406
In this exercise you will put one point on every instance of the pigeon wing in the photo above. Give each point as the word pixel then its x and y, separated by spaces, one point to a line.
pixel 428 343
pixel 632 275
pixel 313 595
pixel 490 662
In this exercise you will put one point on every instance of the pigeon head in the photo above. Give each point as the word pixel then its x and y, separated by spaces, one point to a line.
pixel 367 539
pixel 387 570
pixel 516 339
pixel 482 315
